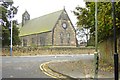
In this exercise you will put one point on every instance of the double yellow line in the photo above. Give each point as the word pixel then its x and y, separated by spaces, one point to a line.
pixel 45 69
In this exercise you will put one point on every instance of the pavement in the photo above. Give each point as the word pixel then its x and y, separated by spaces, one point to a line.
pixel 80 69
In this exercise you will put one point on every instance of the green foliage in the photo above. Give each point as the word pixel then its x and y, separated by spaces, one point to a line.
pixel 5 36
pixel 6 30
pixel 16 39
pixel 86 17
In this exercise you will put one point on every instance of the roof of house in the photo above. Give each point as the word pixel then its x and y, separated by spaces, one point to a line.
pixel 41 24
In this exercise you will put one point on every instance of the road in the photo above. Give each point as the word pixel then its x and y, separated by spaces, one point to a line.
pixel 28 67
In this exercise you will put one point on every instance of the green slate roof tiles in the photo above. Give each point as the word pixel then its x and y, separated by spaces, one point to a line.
pixel 41 24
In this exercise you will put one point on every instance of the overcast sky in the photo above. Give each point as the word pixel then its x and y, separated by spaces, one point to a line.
pixel 37 8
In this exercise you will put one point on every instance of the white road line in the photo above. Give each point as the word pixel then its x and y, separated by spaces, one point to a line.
pixel 55 56
pixel 11 76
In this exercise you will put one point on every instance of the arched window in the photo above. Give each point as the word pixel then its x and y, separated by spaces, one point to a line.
pixel 33 41
pixel 24 42
pixel 68 38
pixel 42 41
pixel 61 38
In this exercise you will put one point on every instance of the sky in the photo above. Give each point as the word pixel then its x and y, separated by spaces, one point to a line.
pixel 37 8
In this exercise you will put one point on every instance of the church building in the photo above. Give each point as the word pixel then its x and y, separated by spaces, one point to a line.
pixel 54 29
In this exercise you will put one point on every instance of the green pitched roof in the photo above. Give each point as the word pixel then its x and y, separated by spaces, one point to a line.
pixel 41 24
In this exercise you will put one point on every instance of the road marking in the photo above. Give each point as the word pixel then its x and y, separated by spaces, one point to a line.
pixel 72 56
pixel 11 76
pixel 52 73
pixel 55 56
pixel 45 71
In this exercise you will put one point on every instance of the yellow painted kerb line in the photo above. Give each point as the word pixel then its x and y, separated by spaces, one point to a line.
pixel 42 67
pixel 46 70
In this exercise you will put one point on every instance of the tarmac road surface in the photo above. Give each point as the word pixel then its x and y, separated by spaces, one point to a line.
pixel 28 66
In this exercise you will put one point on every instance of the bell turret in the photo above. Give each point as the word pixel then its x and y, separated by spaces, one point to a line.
pixel 25 17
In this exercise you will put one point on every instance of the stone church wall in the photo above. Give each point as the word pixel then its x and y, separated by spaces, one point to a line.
pixel 68 34
pixel 41 39
pixel 45 39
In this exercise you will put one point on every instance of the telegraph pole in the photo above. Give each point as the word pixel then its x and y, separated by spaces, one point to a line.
pixel 96 57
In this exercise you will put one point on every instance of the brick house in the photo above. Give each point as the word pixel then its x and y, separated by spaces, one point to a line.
pixel 54 29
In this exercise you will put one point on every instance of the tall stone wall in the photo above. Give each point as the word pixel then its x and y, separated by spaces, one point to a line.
pixel 106 49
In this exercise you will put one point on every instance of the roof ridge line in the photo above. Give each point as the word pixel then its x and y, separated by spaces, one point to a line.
pixel 47 14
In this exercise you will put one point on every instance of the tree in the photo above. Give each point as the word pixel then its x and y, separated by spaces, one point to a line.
pixel 83 21
pixel 6 26
pixel 82 35
pixel 16 39
pixel 86 16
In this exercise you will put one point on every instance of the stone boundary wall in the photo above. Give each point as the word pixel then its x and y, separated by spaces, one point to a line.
pixel 31 51
pixel 106 49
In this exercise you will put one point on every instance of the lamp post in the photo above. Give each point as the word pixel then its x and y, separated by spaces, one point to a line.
pixel 11 12
pixel 10 2
pixel 116 73
pixel 11 33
